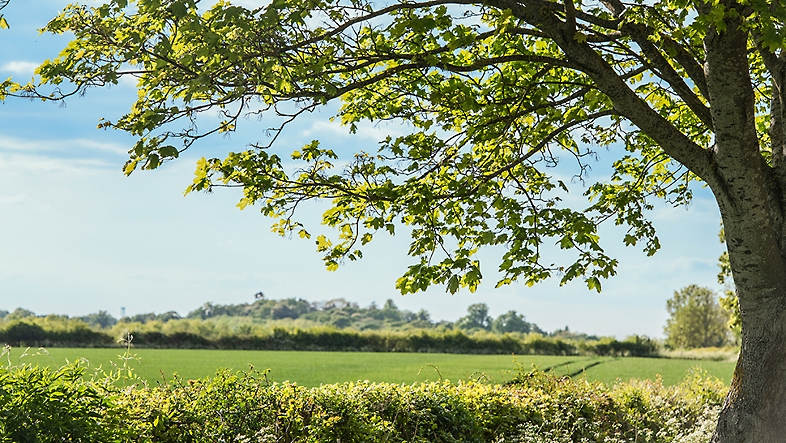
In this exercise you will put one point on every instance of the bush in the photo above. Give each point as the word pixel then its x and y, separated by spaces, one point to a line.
pixel 40 405
pixel 37 404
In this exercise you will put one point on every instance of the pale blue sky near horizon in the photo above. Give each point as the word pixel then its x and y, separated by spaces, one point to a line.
pixel 76 236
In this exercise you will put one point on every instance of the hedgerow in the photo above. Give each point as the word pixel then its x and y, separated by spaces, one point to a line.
pixel 38 404
pixel 199 334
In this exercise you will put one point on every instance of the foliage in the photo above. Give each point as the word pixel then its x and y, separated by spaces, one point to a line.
pixel 729 300
pixel 52 331
pixel 265 314
pixel 477 318
pixel 215 334
pixel 512 321
pixel 3 22
pixel 18 314
pixel 247 406
pixel 100 319
pixel 41 405
pixel 696 319
pixel 492 97
pixel 731 306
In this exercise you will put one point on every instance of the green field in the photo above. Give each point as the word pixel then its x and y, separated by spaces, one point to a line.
pixel 315 368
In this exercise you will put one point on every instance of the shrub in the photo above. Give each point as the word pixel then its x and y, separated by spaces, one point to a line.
pixel 41 405
pixel 37 404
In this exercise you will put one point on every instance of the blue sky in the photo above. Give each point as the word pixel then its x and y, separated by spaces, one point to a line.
pixel 76 236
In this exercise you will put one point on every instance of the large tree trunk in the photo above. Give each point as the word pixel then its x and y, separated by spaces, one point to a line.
pixel 750 196
pixel 751 207
pixel 755 408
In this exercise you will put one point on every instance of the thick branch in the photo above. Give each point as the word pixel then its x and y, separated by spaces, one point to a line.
pixel 640 35
pixel 626 102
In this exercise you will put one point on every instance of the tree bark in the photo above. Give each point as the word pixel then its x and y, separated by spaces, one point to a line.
pixel 750 201
pixel 755 408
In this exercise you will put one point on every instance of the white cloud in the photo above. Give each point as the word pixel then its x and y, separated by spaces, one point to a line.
pixel 19 67
pixel 43 164
pixel 67 145
pixel 12 199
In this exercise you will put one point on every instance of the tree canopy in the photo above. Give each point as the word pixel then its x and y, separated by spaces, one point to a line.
pixel 696 319
pixel 491 95
pixel 490 100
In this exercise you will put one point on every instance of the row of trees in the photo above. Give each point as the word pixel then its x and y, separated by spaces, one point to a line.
pixel 697 317
pixel 56 331
pixel 338 313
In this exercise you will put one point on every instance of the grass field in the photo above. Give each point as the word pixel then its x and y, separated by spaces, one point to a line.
pixel 315 368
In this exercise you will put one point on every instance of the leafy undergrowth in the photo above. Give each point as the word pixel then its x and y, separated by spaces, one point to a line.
pixel 39 405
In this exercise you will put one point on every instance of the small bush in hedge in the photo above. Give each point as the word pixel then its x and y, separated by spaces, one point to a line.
pixel 41 405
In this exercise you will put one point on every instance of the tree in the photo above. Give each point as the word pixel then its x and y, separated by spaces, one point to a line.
pixel 696 319
pixel 511 322
pixel 19 313
pixel 477 317
pixel 102 319
pixel 493 93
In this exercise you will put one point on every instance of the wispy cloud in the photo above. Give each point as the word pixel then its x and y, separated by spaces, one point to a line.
pixel 12 199
pixel 19 67
pixel 41 164
pixel 70 146
pixel 76 155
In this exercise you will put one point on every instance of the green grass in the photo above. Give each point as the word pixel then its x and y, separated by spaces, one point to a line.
pixel 315 368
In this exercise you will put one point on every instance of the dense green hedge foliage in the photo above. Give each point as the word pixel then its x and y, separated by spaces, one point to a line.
pixel 50 334
pixel 37 332
pixel 37 404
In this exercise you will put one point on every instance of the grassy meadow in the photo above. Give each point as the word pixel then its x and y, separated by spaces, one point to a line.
pixel 316 368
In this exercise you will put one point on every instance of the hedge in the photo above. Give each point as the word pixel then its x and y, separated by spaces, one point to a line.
pixel 39 404
pixel 77 334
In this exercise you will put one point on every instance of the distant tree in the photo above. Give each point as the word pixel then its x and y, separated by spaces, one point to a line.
pixel 338 303
pixel 167 316
pixel 101 319
pixel 19 314
pixel 477 317
pixel 390 311
pixel 696 319
pixel 209 310
pixel 729 301
pixel 423 315
pixel 510 322
pixel 3 314
pixel 731 304
pixel 283 310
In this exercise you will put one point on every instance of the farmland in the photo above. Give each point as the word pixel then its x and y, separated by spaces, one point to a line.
pixel 315 368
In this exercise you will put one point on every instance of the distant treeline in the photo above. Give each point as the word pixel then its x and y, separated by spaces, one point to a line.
pixel 337 313
pixel 293 324
pixel 34 332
